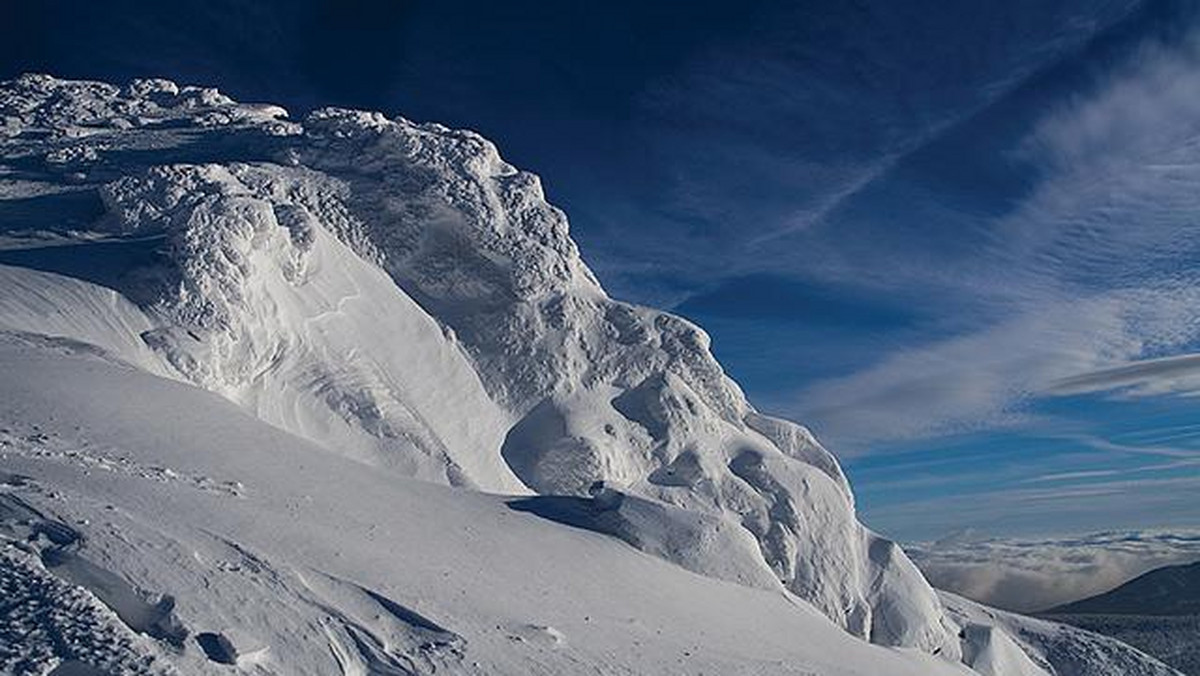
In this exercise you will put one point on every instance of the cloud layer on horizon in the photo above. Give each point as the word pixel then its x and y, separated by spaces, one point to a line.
pixel 1033 575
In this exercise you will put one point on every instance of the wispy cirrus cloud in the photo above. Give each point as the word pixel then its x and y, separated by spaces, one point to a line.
pixel 983 378
pixel 1088 276
pixel 1166 375
pixel 1123 472
pixel 770 134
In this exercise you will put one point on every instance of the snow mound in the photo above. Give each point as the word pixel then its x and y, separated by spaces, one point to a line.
pixel 706 544
pixel 991 652
pixel 45 304
pixel 604 391
pixel 264 305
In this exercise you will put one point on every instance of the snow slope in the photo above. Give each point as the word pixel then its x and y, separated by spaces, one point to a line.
pixel 1049 647
pixel 399 303
pixel 308 562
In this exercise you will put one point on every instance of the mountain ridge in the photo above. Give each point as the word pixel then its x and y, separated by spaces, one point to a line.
pixel 1169 590
pixel 398 295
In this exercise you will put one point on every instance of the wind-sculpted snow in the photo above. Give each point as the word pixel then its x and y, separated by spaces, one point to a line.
pixel 318 564
pixel 265 306
pixel 604 390
pixel 1046 647
pixel 400 296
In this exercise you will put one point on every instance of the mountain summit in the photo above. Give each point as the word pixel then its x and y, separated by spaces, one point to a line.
pixel 341 396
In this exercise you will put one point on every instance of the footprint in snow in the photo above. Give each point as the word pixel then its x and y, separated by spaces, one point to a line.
pixel 539 635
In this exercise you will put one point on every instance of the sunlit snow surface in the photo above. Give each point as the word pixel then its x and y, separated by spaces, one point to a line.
pixel 335 396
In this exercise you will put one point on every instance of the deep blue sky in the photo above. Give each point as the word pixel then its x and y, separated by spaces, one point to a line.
pixel 930 230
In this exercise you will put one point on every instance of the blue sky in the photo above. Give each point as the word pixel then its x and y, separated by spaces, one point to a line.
pixel 957 239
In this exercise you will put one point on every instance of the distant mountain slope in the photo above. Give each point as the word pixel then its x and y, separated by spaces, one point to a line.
pixel 1170 590
pixel 1174 639
pixel 1157 612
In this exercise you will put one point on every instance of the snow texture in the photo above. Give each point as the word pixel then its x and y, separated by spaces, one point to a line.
pixel 1047 647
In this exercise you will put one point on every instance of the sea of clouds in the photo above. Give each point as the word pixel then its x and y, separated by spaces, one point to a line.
pixel 1037 574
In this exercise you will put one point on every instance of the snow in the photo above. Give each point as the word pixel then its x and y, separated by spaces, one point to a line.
pixel 52 308
pixel 1045 647
pixel 301 331
pixel 366 410
pixel 323 561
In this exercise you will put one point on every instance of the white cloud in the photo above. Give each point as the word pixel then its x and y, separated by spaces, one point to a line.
pixel 1179 374
pixel 1031 575
pixel 1111 472
pixel 812 215
pixel 1121 500
pixel 975 380
pixel 1145 107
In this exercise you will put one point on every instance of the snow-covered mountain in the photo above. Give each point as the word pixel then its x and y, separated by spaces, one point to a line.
pixel 340 396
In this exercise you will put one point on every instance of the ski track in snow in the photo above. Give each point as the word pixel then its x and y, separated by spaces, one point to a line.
pixel 39 445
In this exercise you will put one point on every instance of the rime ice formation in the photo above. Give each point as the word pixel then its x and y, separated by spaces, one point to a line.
pixel 399 303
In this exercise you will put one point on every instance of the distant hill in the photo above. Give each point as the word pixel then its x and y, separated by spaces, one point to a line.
pixel 1174 639
pixel 1157 612
pixel 1170 590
